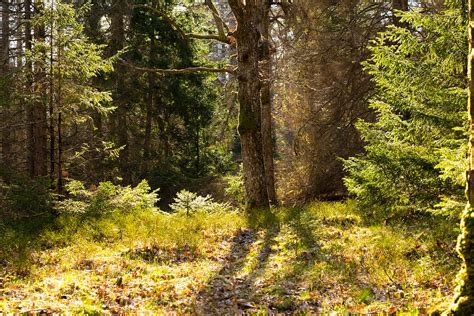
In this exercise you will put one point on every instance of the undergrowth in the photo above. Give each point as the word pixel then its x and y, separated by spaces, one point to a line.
pixel 321 258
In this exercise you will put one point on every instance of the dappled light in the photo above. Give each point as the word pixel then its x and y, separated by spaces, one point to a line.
pixel 236 157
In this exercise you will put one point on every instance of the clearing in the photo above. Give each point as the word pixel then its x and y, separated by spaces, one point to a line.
pixel 321 258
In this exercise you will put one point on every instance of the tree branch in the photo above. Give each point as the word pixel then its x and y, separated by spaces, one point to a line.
pixel 189 70
pixel 222 28
pixel 215 37
pixel 163 15
pixel 237 9
pixel 222 37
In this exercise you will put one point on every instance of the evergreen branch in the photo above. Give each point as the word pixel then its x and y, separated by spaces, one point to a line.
pixel 163 15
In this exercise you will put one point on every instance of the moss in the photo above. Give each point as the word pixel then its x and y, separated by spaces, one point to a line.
pixel 464 297
pixel 247 121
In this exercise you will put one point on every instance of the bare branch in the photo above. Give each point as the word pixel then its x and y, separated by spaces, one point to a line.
pixel 189 70
pixel 237 9
pixel 222 28
pixel 215 37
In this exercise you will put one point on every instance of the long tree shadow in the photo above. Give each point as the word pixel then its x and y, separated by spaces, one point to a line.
pixel 237 286
pixel 227 292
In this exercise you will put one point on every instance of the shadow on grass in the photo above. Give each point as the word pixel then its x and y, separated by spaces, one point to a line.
pixel 19 239
pixel 228 292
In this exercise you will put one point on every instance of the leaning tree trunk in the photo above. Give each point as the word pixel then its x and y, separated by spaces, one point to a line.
pixel 464 297
pixel 248 36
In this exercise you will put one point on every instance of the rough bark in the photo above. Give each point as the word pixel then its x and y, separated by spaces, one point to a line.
pixel 249 18
pixel 266 103
pixel 464 298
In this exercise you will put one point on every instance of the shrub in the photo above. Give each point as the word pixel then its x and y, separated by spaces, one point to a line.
pixel 414 154
pixel 189 203
pixel 107 198
pixel 24 197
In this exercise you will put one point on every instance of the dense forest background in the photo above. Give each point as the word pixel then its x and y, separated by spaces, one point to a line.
pixel 224 105
pixel 122 92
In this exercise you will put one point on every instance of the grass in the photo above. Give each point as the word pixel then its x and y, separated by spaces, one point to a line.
pixel 326 257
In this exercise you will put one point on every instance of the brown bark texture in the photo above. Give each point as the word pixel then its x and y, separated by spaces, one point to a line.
pixel 266 104
pixel 249 18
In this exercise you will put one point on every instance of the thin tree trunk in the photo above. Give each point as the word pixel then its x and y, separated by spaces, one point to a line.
pixel 198 148
pixel 36 113
pixel 464 297
pixel 30 157
pixel 149 108
pixel 121 128
pixel 266 100
pixel 249 17
pixel 60 156
pixel 58 106
pixel 4 94
pixel 148 126
pixel 51 106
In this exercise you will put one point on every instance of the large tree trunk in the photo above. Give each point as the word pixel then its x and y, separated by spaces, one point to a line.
pixel 464 297
pixel 249 19
pixel 266 100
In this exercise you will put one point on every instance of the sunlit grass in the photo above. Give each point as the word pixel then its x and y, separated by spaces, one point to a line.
pixel 324 257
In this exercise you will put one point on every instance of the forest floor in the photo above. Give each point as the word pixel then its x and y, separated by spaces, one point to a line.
pixel 322 258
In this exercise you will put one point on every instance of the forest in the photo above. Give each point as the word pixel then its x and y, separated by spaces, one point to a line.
pixel 237 157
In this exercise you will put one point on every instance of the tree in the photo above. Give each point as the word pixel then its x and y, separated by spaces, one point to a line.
pixel 413 151
pixel 5 77
pixel 250 36
pixel 322 91
pixel 37 138
pixel 250 23
pixel 72 62
pixel 266 104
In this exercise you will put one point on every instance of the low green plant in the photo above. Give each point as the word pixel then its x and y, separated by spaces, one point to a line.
pixel 106 198
pixel 235 187
pixel 189 203
pixel 25 197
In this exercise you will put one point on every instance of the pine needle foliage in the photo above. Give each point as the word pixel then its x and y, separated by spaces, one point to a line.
pixel 414 151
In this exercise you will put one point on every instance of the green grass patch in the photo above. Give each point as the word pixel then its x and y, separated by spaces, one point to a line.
pixel 320 258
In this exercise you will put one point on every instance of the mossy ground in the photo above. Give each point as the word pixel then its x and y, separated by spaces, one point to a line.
pixel 325 257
